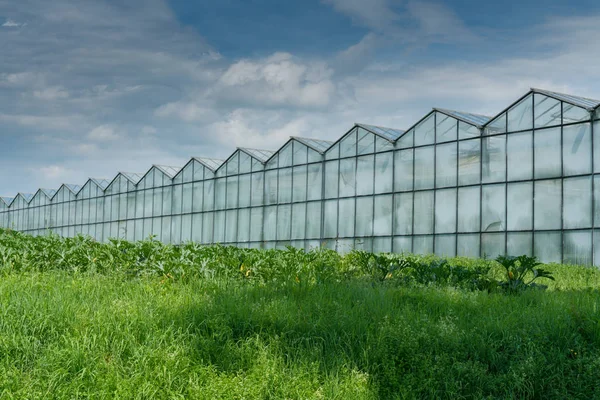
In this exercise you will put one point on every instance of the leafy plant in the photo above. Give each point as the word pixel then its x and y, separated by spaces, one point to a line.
pixel 522 272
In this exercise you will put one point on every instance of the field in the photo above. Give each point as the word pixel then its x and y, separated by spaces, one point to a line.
pixel 80 319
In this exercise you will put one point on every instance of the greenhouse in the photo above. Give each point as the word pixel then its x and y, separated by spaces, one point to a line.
pixel 525 181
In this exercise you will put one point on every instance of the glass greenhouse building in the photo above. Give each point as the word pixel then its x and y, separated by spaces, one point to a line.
pixel 526 181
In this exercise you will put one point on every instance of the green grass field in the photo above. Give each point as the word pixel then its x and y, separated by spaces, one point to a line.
pixel 80 319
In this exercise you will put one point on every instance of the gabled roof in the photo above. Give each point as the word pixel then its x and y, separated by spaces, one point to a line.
pixel 477 120
pixel 168 170
pixel 7 200
pixel 26 196
pixel 133 177
pixel 48 192
pixel 389 134
pixel 73 188
pixel 260 155
pixel 317 145
pixel 211 163
pixel 583 102
pixel 101 182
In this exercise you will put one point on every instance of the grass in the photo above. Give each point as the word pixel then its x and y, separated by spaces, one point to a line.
pixel 109 333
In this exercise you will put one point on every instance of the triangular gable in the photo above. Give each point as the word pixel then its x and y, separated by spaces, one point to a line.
pixel 72 188
pixel 477 120
pixel 389 134
pixel 7 200
pixel 260 155
pixel 48 192
pixel 583 102
pixel 100 182
pixel 318 145
pixel 171 172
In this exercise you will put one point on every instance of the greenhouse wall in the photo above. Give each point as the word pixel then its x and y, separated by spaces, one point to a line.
pixel 526 181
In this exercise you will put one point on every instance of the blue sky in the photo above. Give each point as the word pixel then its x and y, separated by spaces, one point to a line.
pixel 89 88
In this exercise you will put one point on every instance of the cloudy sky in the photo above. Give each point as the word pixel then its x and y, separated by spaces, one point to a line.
pixel 92 87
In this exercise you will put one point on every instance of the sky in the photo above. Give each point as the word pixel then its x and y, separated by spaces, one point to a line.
pixel 89 88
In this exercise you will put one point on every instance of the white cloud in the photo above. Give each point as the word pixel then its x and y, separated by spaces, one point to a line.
pixel 103 133
pixel 51 93
pixel 53 171
pixel 377 15
pixel 11 24
pixel 278 80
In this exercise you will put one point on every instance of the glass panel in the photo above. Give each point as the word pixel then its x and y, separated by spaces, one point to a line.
pixel 423 244
pixel 403 213
pixel 333 152
pixel 232 191
pixel 382 221
pixel 298 220
pixel 313 220
pixel 547 246
pixel 346 220
pixel 518 244
pixel 494 159
pixel 469 162
pixel 231 226
pixel 466 131
pixel 402 244
pixel 270 224
pixel 331 179
pixel 313 156
pixel 347 177
pixel 577 207
pixel 423 170
pixel 285 156
pixel 285 185
pixel 547 111
pixel 403 174
pixel 220 197
pixel 446 167
pixel 493 206
pixel 577 149
pixel 364 175
pixel 597 146
pixel 219 227
pixel 300 153
pixel 365 244
pixel 197 228
pixel 597 203
pixel 445 211
pixel 382 245
pixel 578 248
pixel 492 244
pixel 186 228
pixel 445 245
pixel 468 209
pixel 315 178
pixel 299 190
pixel 257 188
pixel 271 187
pixel 425 131
pixel 520 117
pixel 423 212
pixel 547 204
pixel 574 114
pixel 209 196
pixel 233 164
pixel 256 223
pixel 244 191
pixel 364 216
pixel 383 172
pixel 446 128
pixel 520 156
pixel 406 140
pixel 348 145
pixel 284 219
pixel 207 227
pixel 245 163
pixel 520 206
pixel 382 145
pixel 366 142
pixel 547 153
pixel 330 222
pixel 468 245
pixel 498 125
